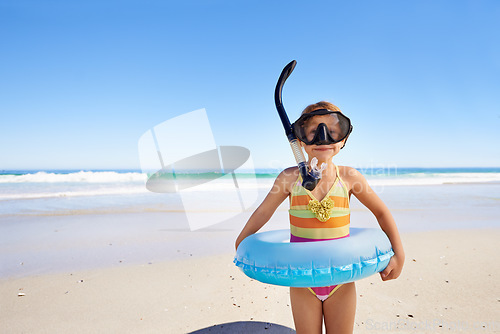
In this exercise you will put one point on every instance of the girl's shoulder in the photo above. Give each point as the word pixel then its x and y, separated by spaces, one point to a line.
pixel 286 179
pixel 290 174
pixel 350 175
pixel 346 171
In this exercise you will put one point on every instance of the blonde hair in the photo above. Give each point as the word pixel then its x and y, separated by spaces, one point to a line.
pixel 320 105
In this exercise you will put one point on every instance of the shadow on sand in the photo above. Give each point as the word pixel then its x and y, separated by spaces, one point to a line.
pixel 245 327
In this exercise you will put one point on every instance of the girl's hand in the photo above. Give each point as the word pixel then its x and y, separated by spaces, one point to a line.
pixel 393 269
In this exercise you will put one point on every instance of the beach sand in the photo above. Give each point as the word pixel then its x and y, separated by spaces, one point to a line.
pixel 450 283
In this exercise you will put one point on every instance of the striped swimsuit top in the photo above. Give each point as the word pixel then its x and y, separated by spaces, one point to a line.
pixel 314 220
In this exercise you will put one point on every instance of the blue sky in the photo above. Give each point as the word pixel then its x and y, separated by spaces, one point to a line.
pixel 81 81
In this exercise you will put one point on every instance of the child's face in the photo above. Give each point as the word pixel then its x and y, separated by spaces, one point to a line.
pixel 323 153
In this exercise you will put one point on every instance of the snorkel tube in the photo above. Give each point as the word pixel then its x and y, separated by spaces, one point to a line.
pixel 310 176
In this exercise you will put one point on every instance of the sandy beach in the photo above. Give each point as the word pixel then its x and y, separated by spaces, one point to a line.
pixel 139 269
pixel 449 283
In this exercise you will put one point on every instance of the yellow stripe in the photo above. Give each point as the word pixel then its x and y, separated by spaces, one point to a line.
pixel 334 289
pixel 320 233
pixel 306 213
pixel 300 207
pixel 338 191
pixel 298 190
pixel 346 192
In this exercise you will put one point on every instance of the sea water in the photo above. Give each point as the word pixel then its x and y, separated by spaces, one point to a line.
pixel 69 192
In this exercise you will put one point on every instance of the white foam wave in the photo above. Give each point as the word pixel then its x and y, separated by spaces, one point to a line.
pixel 62 194
pixel 435 179
pixel 265 184
pixel 31 186
pixel 76 177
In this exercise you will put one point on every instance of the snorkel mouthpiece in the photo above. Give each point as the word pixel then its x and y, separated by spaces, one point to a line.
pixel 312 175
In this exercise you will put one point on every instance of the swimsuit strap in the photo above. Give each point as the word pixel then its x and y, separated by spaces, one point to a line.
pixel 346 191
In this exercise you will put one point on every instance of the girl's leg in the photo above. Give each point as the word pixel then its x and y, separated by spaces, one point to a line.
pixel 307 311
pixel 339 310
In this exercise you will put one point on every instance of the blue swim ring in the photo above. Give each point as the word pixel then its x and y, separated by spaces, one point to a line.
pixel 269 257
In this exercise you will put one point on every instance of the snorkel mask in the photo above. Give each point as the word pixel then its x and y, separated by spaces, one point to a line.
pixel 332 128
pixel 322 127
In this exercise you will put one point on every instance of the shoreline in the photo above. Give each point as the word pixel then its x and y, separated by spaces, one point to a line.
pixel 195 294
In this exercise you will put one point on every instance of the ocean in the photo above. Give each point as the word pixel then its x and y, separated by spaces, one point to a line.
pixel 69 192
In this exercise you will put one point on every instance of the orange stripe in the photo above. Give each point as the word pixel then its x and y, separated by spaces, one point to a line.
pixel 300 200
pixel 338 201
pixel 315 223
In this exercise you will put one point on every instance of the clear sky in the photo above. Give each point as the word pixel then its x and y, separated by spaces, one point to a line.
pixel 81 81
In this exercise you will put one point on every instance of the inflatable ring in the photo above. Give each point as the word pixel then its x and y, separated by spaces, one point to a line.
pixel 269 257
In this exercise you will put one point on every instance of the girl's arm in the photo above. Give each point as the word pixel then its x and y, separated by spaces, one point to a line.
pixel 365 194
pixel 279 192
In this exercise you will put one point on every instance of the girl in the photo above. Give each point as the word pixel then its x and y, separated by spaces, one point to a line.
pixel 323 130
